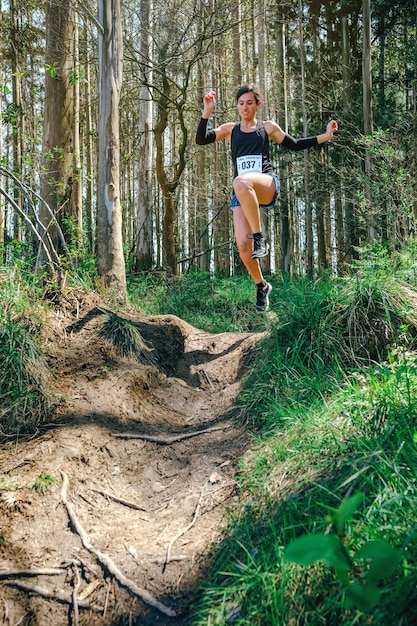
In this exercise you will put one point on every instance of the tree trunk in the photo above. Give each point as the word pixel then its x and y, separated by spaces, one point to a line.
pixel 58 130
pixel 17 115
pixel 282 115
pixel 237 44
pixel 307 200
pixel 367 111
pixel 76 206
pixel 90 160
pixel 144 239
pixel 111 264
pixel 2 211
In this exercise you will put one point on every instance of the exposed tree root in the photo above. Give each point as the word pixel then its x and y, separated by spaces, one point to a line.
pixel 25 573
pixel 105 560
pixel 171 543
pixel 131 505
pixel 46 593
pixel 169 439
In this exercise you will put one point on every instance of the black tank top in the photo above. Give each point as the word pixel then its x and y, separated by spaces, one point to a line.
pixel 254 143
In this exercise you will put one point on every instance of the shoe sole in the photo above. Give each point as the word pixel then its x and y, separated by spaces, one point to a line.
pixel 260 255
pixel 266 306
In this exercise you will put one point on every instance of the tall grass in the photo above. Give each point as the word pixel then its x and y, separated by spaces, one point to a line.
pixel 333 399
pixel 213 304
pixel 26 399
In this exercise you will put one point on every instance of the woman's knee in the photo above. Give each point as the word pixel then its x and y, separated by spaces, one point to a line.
pixel 245 247
pixel 241 184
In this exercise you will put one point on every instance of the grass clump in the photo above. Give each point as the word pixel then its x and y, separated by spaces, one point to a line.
pixel 43 483
pixel 125 337
pixel 26 398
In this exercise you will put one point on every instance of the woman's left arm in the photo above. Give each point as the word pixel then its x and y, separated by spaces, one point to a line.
pixel 276 133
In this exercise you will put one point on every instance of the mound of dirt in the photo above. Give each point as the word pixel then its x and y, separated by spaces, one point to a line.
pixel 108 515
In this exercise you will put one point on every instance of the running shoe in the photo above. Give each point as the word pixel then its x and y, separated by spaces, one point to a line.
pixel 262 297
pixel 260 248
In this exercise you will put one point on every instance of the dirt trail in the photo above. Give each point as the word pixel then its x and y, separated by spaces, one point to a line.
pixel 149 453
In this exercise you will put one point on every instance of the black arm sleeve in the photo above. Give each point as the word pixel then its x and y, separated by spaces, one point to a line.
pixel 203 135
pixel 299 144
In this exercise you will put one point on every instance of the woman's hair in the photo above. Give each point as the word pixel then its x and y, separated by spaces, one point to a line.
pixel 249 88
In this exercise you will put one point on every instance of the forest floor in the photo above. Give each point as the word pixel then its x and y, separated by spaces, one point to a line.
pixel 108 515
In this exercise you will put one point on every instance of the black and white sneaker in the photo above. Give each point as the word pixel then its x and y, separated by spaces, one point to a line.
pixel 262 297
pixel 260 247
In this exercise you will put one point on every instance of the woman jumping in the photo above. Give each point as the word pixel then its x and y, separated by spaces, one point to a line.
pixel 255 183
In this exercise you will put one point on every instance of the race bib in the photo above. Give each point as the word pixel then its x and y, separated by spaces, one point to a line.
pixel 249 163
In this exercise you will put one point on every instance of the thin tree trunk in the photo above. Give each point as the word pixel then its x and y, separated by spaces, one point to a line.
pixel 307 200
pixel 2 212
pixel 282 114
pixel 237 44
pixel 90 161
pixel 367 111
pixel 18 121
pixel 221 187
pixel 76 197
pixel 346 240
pixel 144 241
pixel 169 214
pixel 111 264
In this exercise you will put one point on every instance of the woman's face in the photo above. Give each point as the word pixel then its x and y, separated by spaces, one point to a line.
pixel 247 106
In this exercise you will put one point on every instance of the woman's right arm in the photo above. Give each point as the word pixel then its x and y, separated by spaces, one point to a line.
pixel 206 135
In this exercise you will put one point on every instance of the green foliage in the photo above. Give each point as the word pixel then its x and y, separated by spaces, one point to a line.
pixel 26 399
pixel 52 69
pixel 330 421
pixel 328 327
pixel 43 483
pixel 215 304
pixel 359 574
pixel 25 394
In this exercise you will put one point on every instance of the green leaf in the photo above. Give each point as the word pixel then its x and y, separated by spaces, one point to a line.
pixel 346 510
pixel 383 556
pixel 363 597
pixel 312 548
pixel 343 577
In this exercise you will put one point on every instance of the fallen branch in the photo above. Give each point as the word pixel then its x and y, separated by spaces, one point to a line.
pixel 171 543
pixel 168 439
pixel 25 573
pixel 45 593
pixel 105 559
pixel 132 505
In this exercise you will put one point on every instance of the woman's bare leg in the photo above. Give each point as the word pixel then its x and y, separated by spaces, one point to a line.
pixel 245 245
pixel 252 190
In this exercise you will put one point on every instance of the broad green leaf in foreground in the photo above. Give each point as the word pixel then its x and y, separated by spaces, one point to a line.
pixel 383 556
pixel 312 548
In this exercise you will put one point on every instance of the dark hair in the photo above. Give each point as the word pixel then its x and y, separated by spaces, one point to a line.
pixel 249 88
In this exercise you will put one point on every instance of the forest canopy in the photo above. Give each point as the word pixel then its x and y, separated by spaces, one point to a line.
pixel 99 106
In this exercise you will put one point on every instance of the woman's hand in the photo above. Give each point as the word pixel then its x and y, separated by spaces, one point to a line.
pixel 332 127
pixel 209 103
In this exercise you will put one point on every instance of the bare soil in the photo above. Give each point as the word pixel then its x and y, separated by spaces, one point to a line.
pixel 122 497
